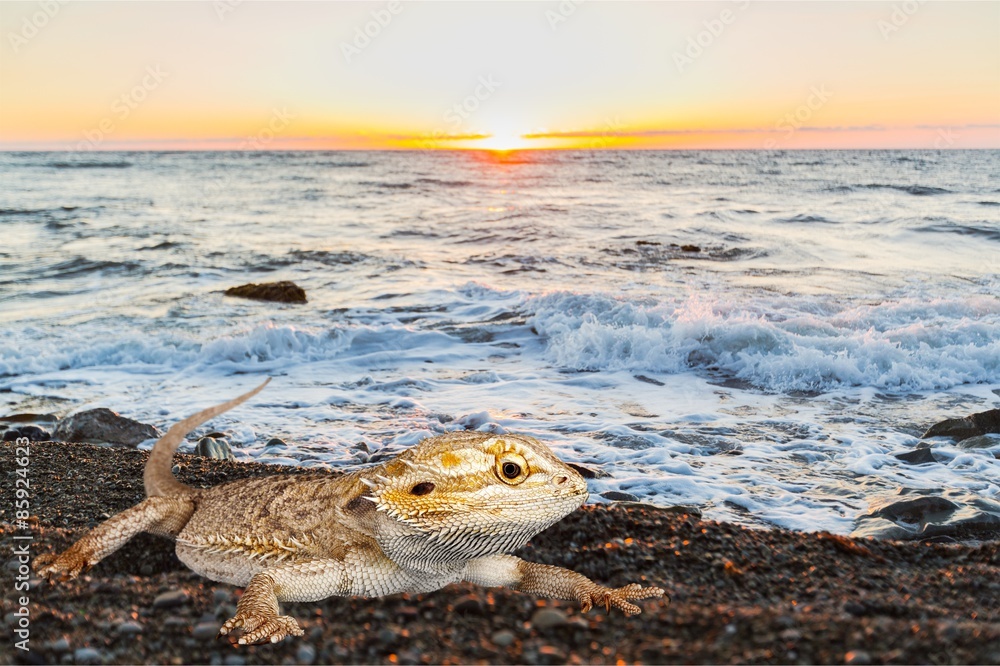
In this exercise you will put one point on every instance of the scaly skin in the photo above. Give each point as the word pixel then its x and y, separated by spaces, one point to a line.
pixel 450 509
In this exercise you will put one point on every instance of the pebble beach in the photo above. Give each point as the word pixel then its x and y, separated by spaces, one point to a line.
pixel 737 595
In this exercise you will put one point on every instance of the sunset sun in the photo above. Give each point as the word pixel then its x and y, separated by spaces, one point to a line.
pixel 503 140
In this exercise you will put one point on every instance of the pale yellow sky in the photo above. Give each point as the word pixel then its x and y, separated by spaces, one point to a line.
pixel 227 74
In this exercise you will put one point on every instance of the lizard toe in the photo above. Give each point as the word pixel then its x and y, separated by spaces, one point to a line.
pixel 58 567
pixel 272 630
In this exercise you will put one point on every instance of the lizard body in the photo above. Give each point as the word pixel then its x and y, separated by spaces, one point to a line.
pixel 449 509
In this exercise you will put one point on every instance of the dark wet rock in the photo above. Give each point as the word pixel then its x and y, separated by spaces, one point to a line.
pixel 548 618
pixel 649 380
pixel 103 425
pixel 922 514
pixel 503 638
pixel 981 423
pixel 589 472
pixel 690 248
pixel 218 449
pixel 33 433
pixel 275 441
pixel 618 496
pixel 917 456
pixel 980 442
pixel 86 655
pixel 278 292
pixel 171 599
pixel 29 418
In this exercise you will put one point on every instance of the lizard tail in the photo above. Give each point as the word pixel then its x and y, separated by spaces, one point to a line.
pixel 158 477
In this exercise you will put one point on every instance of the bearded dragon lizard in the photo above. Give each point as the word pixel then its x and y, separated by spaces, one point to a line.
pixel 449 509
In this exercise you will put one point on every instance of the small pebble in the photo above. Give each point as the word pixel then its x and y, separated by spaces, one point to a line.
pixel 503 638
pixel 61 645
pixel 855 609
pixel 86 655
pixel 206 630
pixel 386 636
pixel 857 658
pixel 547 618
pixel 221 596
pixel 170 599
pixel 305 654
pixel 468 604
pixel 129 628
pixel 234 660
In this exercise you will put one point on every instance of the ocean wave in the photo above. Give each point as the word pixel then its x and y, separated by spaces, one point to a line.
pixel 385 185
pixel 27 352
pixel 901 345
pixel 444 183
pixel 88 164
pixel 803 218
pixel 986 232
pixel 915 190
pixel 266 347
pixel 79 266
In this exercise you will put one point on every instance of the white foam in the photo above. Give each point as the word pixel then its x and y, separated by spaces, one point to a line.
pixel 780 345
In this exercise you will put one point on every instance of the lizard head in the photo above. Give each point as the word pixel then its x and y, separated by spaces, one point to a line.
pixel 467 494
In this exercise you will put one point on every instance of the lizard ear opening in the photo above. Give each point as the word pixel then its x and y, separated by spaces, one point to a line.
pixel 422 488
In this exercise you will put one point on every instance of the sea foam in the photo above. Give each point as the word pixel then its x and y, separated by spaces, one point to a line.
pixel 779 345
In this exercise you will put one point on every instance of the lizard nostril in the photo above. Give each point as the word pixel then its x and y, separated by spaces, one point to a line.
pixel 560 480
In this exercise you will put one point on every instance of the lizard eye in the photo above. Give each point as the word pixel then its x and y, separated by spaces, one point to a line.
pixel 512 468
pixel 422 488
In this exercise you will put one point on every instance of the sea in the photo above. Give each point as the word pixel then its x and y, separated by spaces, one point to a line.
pixel 753 333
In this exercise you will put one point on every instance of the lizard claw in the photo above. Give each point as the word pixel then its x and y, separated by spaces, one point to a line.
pixel 59 567
pixel 260 628
pixel 617 597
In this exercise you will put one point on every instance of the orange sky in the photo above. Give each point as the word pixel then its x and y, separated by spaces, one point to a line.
pixel 260 75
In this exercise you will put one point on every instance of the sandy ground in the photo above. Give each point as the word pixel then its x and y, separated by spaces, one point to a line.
pixel 737 595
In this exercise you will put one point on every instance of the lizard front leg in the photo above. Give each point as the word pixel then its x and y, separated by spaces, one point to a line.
pixel 363 572
pixel 160 515
pixel 556 582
